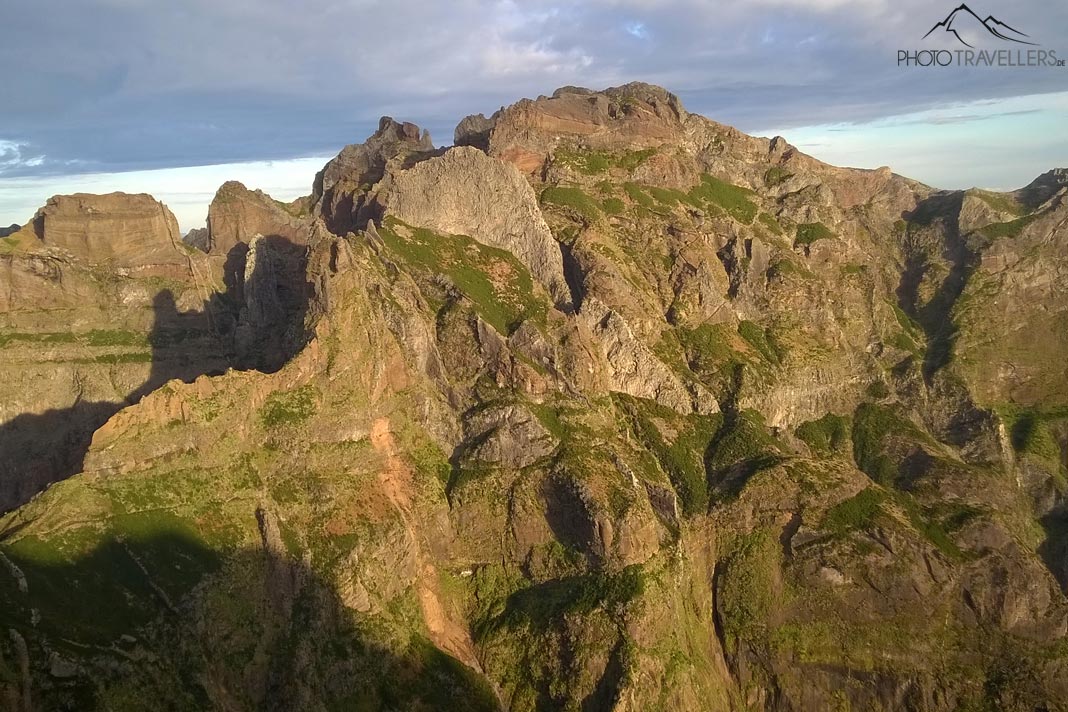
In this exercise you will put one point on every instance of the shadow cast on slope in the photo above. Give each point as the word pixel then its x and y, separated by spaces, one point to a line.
pixel 935 316
pixel 257 323
pixel 1054 549
pixel 156 612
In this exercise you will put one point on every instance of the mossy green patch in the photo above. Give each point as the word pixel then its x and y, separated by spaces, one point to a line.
pixel 856 513
pixel 497 283
pixel 669 197
pixel 289 407
pixel 829 434
pixel 769 221
pixel 120 572
pixel 1002 202
pixel 877 390
pixel 734 199
pixel 907 323
pixel 707 345
pixel 590 161
pixel 1030 434
pixel 573 198
pixel 552 419
pixel 808 233
pixel 543 605
pixel 787 267
pixel 873 425
pixel 862 511
pixel 426 457
pixel 925 524
pixel 748 589
pixel 679 444
pixel 613 206
pixel 435 681
pixel 776 175
pixel 742 447
pixel 763 340
pixel 1012 228
pixel 639 196
pixel 10 244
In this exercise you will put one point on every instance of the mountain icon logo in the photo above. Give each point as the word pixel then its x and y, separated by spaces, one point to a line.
pixel 963 21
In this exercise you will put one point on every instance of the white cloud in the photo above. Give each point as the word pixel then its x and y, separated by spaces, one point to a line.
pixel 11 156
pixel 281 78
pixel 958 146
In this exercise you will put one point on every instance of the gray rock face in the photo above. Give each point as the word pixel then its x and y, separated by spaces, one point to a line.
pixel 197 238
pixel 337 191
pixel 474 131
pixel 271 320
pixel 366 162
pixel 465 192
pixel 1043 188
pixel 510 436
pixel 634 369
pixel 9 230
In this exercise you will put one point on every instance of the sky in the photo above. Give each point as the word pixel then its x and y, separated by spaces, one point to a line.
pixel 173 98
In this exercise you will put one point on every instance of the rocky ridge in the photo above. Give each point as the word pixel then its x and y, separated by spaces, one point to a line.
pixel 608 406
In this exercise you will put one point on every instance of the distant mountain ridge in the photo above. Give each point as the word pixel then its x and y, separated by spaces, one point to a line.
pixel 991 24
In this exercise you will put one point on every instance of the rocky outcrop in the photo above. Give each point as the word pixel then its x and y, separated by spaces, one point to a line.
pixel 634 116
pixel 634 369
pixel 9 230
pixel 87 327
pixel 237 215
pixel 275 296
pixel 510 436
pixel 198 239
pixel 337 192
pixel 1041 189
pixel 120 230
pixel 100 304
pixel 465 192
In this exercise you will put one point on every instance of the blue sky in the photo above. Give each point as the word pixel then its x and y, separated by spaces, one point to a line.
pixel 173 98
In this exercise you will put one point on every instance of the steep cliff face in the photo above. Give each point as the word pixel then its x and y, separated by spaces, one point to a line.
pixel 99 301
pixel 237 215
pixel 102 303
pixel 339 189
pixel 610 408
pixel 119 230
pixel 465 192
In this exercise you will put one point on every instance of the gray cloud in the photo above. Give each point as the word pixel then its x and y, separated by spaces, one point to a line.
pixel 108 85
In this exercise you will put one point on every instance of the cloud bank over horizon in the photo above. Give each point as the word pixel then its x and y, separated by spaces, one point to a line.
pixel 191 83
